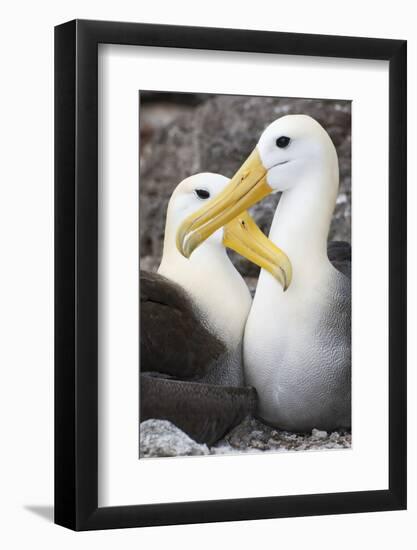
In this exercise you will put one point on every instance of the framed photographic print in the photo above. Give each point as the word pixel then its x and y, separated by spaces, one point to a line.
pixel 230 248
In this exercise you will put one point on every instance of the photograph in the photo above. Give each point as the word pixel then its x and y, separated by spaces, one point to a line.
pixel 190 357
pixel 245 274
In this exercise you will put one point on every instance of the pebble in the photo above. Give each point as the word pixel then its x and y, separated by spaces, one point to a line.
pixel 159 438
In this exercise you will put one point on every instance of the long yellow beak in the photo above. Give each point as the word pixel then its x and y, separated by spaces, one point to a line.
pixel 244 236
pixel 247 187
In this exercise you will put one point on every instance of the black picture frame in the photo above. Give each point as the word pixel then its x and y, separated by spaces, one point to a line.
pixel 76 272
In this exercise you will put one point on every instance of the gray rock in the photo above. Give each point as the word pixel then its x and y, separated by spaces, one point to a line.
pixel 318 434
pixel 158 438
pixel 216 137
pixel 149 263
pixel 254 436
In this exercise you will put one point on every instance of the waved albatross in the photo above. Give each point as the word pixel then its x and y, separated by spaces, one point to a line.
pixel 192 318
pixel 297 344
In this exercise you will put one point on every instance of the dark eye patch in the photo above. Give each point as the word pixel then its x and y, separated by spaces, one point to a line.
pixel 202 193
pixel 282 142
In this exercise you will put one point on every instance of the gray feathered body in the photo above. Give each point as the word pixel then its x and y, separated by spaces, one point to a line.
pixel 299 358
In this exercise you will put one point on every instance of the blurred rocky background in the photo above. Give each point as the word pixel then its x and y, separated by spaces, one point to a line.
pixel 182 134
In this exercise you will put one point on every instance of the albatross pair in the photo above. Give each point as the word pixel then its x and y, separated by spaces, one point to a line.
pixel 193 314
pixel 297 344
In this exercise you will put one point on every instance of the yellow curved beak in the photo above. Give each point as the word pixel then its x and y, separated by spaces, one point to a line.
pixel 244 236
pixel 247 187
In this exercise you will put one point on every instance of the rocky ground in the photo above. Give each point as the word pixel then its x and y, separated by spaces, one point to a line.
pixel 160 438
pixel 181 137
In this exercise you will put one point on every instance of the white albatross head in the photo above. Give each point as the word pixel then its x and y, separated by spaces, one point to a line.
pixel 241 234
pixel 289 151
pixel 188 197
pixel 291 148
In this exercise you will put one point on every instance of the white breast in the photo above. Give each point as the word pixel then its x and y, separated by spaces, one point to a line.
pixel 296 359
pixel 295 354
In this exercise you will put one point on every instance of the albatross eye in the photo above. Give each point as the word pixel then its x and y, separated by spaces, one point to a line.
pixel 202 193
pixel 282 142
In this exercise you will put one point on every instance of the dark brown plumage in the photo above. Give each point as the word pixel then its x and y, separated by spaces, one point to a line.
pixel 205 412
pixel 340 255
pixel 173 341
pixel 176 354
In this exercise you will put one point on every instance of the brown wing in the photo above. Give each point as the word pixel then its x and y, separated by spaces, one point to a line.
pixel 205 412
pixel 173 341
pixel 340 255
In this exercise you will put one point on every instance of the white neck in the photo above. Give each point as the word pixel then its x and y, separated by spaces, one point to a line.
pixel 300 227
pixel 217 289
